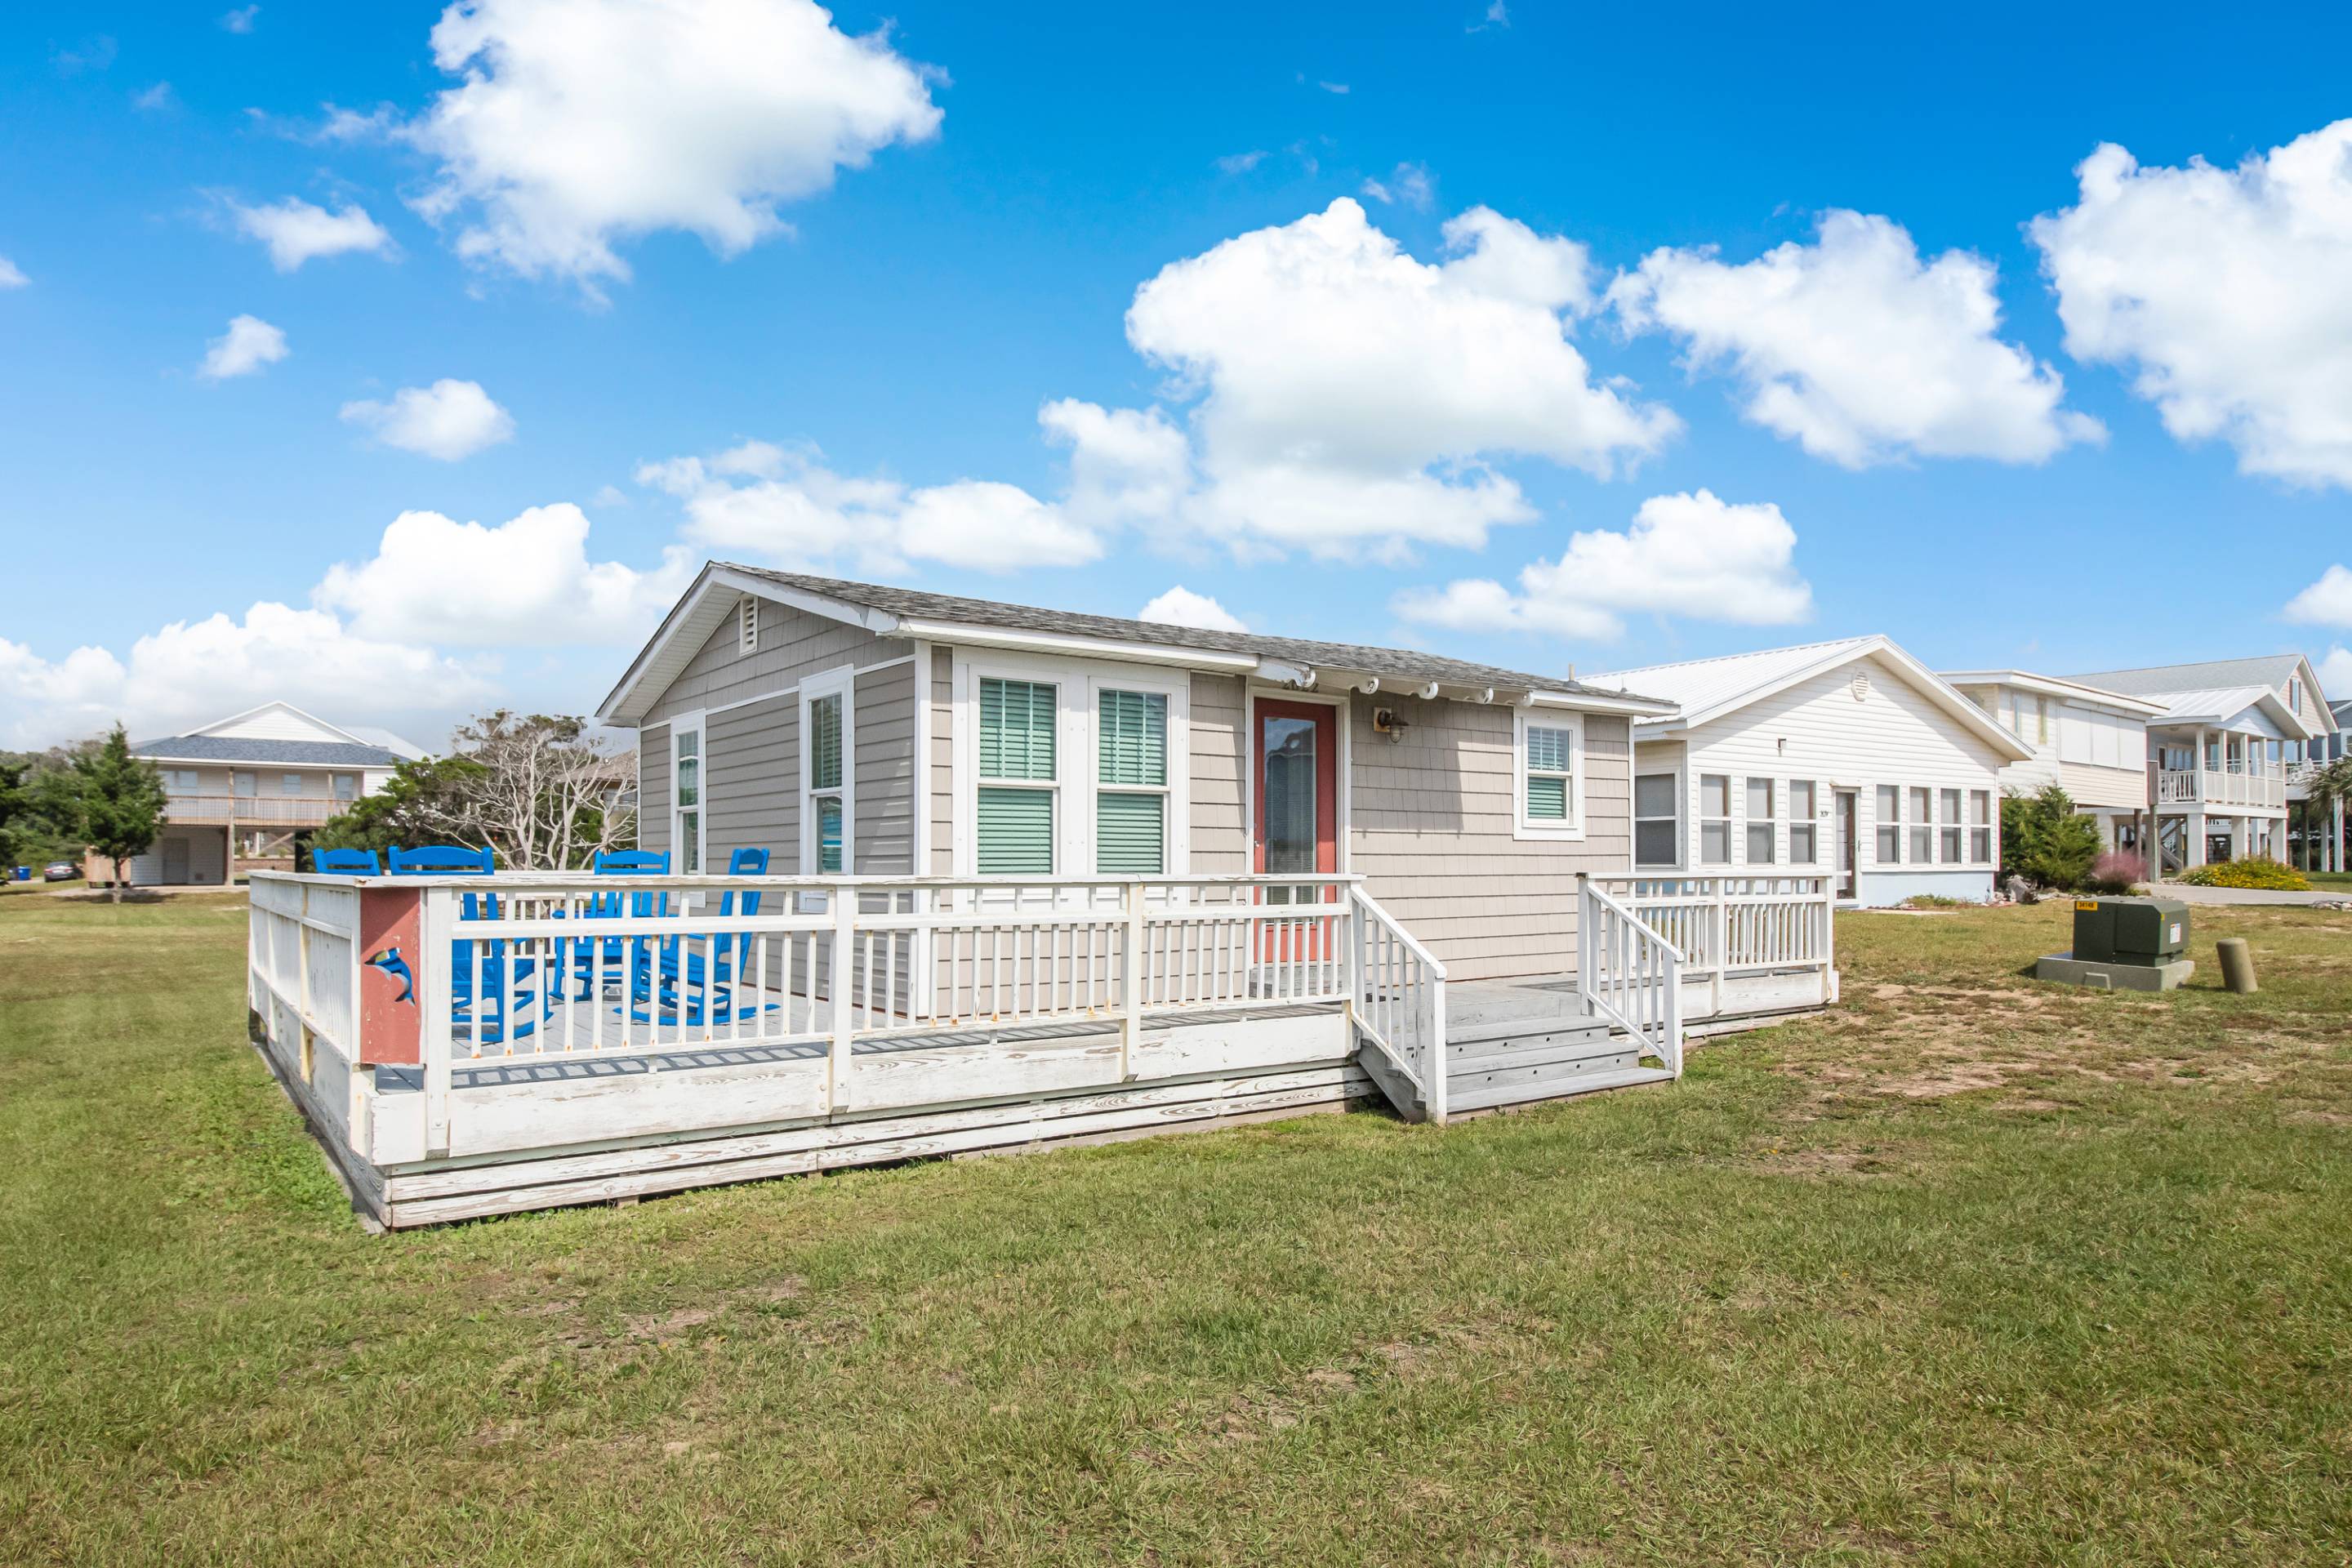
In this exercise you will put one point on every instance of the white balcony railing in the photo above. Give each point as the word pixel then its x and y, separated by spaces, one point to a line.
pixel 261 810
pixel 2218 787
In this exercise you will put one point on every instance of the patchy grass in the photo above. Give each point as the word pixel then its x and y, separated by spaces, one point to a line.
pixel 1975 1269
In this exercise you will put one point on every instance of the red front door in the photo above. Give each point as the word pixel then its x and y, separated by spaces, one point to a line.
pixel 1296 830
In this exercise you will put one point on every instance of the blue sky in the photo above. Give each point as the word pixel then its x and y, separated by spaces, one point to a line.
pixel 940 230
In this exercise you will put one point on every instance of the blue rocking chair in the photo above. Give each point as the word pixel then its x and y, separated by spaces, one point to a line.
pixel 509 986
pixel 346 863
pixel 726 959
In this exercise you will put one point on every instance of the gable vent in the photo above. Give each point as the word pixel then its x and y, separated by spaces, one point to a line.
pixel 1859 685
pixel 747 625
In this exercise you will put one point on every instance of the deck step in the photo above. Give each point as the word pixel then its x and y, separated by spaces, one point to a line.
pixel 1478 1031
pixel 1462 1096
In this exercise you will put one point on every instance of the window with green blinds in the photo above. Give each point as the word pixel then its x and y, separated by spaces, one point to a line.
pixel 1130 835
pixel 824 742
pixel 828 834
pixel 1547 799
pixel 1132 745
pixel 1547 749
pixel 1016 832
pixel 1550 759
pixel 1016 729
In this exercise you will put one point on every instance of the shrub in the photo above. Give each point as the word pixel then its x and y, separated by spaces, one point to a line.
pixel 2043 841
pixel 2253 871
pixel 2116 871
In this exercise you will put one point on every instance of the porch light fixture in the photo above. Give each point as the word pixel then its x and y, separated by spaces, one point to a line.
pixel 1389 722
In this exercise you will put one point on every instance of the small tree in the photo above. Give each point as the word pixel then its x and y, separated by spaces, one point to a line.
pixel 423 803
pixel 2326 786
pixel 121 802
pixel 2044 841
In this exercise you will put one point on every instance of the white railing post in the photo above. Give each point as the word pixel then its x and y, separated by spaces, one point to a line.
pixel 1437 1048
pixel 1355 957
pixel 437 914
pixel 838 981
pixel 1131 968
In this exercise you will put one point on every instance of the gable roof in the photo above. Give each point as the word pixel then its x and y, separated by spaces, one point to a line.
pixel 251 749
pixel 2214 675
pixel 1707 688
pixel 277 721
pixel 2219 704
pixel 945 618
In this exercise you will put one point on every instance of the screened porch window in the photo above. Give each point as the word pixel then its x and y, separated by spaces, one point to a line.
pixel 1951 828
pixel 1018 778
pixel 1763 823
pixel 1890 825
pixel 1657 824
pixel 1131 773
pixel 1980 827
pixel 1923 827
pixel 1715 819
pixel 1802 823
pixel 826 783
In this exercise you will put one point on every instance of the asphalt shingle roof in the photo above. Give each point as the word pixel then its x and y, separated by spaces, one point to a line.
pixel 1404 664
pixel 244 749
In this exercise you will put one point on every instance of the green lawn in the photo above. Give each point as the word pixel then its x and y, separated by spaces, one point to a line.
pixel 1974 1270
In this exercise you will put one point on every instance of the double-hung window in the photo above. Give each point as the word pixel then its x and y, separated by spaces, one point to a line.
pixel 347 787
pixel 1550 748
pixel 1131 782
pixel 181 780
pixel 685 817
pixel 824 783
pixel 1018 778
pixel 1923 827
pixel 1951 827
pixel 1890 825
pixel 1715 819
pixel 290 783
pixel 1980 827
pixel 1763 823
pixel 1803 831
pixel 1656 820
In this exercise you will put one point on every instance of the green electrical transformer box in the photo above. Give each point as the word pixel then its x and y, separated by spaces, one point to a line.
pixel 2130 930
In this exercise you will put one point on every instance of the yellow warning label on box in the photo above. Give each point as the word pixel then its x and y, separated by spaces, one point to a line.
pixel 2087 904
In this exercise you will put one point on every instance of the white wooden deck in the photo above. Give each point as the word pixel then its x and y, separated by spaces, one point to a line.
pixel 970 1016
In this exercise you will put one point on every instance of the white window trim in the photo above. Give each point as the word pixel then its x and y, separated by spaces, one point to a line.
pixel 1991 828
pixel 1343 725
pixel 1957 797
pixel 1175 824
pixel 1730 818
pixel 1524 828
pixel 840 681
pixel 1878 821
pixel 1916 821
pixel 680 726
pixel 1748 822
pixel 1681 818
pixel 1076 682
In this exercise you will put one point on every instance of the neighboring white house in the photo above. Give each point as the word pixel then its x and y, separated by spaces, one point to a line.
pixel 243 790
pixel 2090 743
pixel 2232 735
pixel 1847 757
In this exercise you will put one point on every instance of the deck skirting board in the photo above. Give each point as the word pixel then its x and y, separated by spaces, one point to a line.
pixel 431 1198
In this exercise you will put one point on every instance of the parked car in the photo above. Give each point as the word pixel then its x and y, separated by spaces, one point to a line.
pixel 60 871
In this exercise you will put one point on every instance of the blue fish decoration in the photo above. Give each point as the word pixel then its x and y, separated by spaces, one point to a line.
pixel 391 963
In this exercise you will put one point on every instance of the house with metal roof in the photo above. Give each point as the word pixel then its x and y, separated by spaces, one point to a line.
pixel 2224 753
pixel 1848 762
pixel 243 791
pixel 2091 743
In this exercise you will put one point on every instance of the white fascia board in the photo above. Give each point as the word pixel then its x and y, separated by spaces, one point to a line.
pixel 968 634
pixel 698 614
pixel 1647 708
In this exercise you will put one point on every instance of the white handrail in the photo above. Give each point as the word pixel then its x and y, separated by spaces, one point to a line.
pixel 1397 998
pixel 1629 974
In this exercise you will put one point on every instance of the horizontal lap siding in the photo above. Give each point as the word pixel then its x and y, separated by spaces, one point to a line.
pixel 1431 819
pixel 2092 783
pixel 793 644
pixel 884 819
pixel 749 783
pixel 1221 840
pixel 653 787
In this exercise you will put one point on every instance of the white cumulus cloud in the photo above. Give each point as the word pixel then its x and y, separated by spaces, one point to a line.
pixel 525 582
pixel 1858 348
pixel 1349 400
pixel 296 231
pixel 2227 291
pixel 1411 185
pixel 249 344
pixel 10 277
pixel 580 123
pixel 786 507
pixel 1179 606
pixel 2336 673
pixel 2326 603
pixel 1693 555
pixel 190 671
pixel 449 419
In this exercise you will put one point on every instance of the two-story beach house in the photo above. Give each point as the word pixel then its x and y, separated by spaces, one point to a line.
pixel 243 790
pixel 1850 758
pixel 2223 752
pixel 2091 744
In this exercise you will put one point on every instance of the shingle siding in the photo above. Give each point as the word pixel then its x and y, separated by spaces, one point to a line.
pixel 883 818
pixel 1220 839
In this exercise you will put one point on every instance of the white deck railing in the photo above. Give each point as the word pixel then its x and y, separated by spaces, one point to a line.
pixel 2224 787
pixel 1629 974
pixel 542 967
pixel 1399 1000
pixel 1731 927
